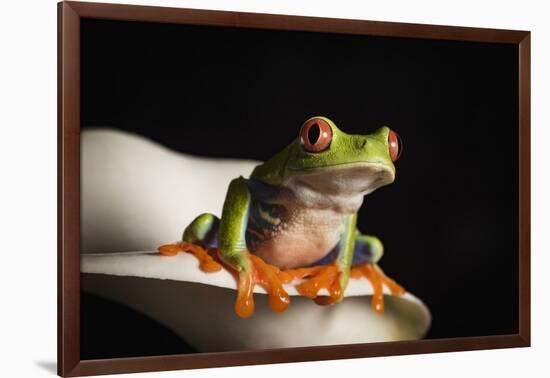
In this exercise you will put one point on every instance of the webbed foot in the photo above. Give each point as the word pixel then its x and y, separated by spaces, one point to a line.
pixel 267 276
pixel 206 257
pixel 257 272
pixel 319 277
pixel 377 278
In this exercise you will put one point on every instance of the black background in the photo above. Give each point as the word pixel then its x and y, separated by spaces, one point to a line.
pixel 449 222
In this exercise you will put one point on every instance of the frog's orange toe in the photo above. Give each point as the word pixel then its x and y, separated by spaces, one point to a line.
pixel 206 258
pixel 320 277
pixel 377 279
pixel 270 278
pixel 244 306
pixel 170 249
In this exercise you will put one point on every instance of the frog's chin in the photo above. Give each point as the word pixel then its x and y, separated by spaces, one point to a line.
pixel 341 187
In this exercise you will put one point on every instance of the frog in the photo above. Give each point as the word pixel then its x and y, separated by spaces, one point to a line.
pixel 295 219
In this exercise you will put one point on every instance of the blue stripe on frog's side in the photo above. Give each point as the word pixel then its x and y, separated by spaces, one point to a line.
pixel 265 217
pixel 361 254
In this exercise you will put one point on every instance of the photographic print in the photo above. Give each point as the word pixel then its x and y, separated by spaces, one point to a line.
pixel 247 189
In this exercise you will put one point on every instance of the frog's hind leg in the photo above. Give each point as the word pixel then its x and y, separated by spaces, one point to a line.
pixel 200 238
pixel 368 251
pixel 203 231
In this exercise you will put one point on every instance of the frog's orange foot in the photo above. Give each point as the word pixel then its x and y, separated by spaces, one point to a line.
pixel 377 279
pixel 267 276
pixel 207 257
pixel 318 278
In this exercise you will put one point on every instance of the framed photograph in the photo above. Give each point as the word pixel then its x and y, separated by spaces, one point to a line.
pixel 239 188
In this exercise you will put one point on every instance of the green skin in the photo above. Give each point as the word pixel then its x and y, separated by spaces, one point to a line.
pixel 324 188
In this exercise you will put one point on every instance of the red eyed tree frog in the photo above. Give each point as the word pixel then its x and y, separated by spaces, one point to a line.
pixel 295 218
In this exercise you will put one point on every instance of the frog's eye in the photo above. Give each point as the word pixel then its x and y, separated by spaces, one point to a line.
pixel 395 145
pixel 315 135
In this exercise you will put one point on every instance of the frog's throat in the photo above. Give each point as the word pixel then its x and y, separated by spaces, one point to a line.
pixel 341 187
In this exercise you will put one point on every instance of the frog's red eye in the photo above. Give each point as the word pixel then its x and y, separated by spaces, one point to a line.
pixel 315 135
pixel 395 145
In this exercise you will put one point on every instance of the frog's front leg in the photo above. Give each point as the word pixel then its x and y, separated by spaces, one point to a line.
pixel 333 276
pixel 367 252
pixel 233 250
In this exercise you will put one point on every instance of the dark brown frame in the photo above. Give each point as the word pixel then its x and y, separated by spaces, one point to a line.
pixel 69 15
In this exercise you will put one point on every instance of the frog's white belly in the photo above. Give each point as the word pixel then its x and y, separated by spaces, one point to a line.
pixel 302 238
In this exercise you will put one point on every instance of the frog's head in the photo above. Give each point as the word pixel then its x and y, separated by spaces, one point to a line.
pixel 324 160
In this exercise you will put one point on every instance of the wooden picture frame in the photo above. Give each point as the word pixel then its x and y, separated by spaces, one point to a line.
pixel 69 16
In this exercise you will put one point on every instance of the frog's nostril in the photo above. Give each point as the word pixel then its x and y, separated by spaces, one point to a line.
pixel 362 143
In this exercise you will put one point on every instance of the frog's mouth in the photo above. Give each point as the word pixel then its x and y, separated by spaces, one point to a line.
pixel 340 183
pixel 346 178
